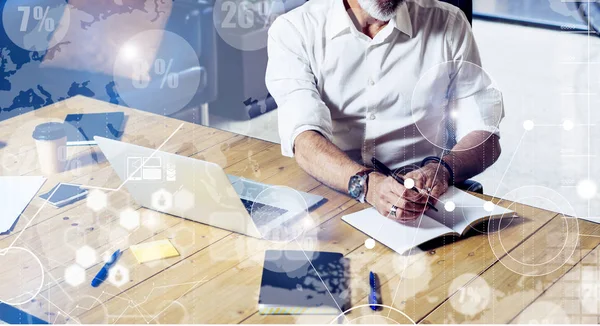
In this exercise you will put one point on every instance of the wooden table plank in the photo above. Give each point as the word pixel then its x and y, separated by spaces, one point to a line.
pixel 216 265
pixel 222 153
pixel 510 289
pixel 423 283
pixel 217 277
pixel 102 172
pixel 210 139
pixel 19 156
pixel 574 299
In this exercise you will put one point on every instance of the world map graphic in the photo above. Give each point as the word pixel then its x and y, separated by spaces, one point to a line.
pixel 26 84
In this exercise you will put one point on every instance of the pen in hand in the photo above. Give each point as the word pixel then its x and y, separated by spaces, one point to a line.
pixel 383 169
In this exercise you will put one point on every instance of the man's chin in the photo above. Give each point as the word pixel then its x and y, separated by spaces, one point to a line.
pixel 375 10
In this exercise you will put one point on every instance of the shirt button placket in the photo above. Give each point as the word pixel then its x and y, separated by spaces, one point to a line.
pixel 369 142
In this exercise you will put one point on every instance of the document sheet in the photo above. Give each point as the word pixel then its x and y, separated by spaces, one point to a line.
pixel 15 195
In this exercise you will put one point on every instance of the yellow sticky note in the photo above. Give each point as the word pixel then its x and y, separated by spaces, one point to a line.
pixel 154 250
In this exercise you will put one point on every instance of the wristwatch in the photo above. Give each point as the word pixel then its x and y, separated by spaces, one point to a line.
pixel 357 186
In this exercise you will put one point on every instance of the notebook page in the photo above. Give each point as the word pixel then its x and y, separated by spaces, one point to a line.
pixel 397 236
pixel 469 209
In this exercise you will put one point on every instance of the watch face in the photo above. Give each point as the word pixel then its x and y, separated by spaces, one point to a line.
pixel 355 187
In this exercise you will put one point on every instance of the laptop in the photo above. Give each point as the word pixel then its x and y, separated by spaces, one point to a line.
pixel 201 191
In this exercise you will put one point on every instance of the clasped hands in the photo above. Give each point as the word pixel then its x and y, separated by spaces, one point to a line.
pixel 430 182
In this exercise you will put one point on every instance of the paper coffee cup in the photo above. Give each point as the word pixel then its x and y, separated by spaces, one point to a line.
pixel 51 143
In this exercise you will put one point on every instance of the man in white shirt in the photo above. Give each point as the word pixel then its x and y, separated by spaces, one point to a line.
pixel 398 80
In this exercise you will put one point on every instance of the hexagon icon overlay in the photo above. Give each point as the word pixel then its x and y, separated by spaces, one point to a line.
pixel 162 200
pixel 97 200
pixel 129 219
pixel 86 256
pixel 184 200
pixel 74 275
pixel 118 275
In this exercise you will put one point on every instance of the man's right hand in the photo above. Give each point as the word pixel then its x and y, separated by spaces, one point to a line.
pixel 383 192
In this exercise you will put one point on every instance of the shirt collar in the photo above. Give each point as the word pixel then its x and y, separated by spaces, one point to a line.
pixel 340 21
pixel 402 20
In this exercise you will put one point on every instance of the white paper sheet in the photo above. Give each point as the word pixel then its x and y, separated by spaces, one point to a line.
pixel 15 195
pixel 591 219
pixel 395 235
pixel 403 236
pixel 468 210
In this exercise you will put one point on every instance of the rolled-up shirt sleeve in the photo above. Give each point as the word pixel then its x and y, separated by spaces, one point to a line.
pixel 292 83
pixel 474 102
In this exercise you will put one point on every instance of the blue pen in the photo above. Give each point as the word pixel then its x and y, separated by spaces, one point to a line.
pixel 373 296
pixel 103 273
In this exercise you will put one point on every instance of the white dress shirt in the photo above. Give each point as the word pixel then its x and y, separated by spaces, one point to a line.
pixel 412 91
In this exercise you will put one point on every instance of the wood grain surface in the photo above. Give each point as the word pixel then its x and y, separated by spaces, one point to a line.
pixel 530 269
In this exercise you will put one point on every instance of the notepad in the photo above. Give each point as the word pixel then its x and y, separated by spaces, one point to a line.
pixel 304 282
pixel 64 194
pixel 402 236
pixel 154 250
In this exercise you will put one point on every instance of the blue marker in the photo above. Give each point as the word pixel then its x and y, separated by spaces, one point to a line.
pixel 373 295
pixel 103 273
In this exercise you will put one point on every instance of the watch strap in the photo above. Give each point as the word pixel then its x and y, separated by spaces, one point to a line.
pixel 439 160
pixel 365 173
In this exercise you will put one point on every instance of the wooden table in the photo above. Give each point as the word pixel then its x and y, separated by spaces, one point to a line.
pixel 217 276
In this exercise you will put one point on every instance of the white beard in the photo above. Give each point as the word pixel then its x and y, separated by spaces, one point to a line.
pixel 372 8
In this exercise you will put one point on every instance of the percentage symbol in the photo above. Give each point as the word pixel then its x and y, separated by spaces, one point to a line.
pixel 163 69
pixel 41 16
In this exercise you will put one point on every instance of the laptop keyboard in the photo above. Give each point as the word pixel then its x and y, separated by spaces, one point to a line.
pixel 262 214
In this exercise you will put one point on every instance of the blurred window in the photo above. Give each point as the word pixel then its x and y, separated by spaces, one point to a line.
pixel 549 13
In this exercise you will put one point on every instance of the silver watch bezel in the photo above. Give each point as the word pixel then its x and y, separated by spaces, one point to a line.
pixel 362 185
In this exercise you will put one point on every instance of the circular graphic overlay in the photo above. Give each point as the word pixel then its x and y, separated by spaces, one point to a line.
pixel 84 303
pixel 19 157
pixel 542 252
pixel 162 78
pixel 282 213
pixel 568 125
pixel 370 243
pixel 587 189
pixel 173 313
pixel 543 313
pixel 243 24
pixel 488 206
pixel 528 125
pixel 36 26
pixel 453 94
pixel 22 276
pixel 410 173
pixel 363 314
pixel 469 297
pixel 451 209
pixel 409 183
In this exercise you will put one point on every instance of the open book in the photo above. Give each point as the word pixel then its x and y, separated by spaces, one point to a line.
pixel 402 236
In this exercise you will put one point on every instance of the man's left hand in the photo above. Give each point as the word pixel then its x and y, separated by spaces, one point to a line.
pixel 432 179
